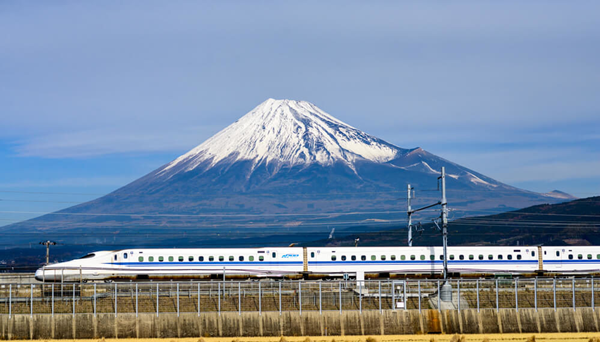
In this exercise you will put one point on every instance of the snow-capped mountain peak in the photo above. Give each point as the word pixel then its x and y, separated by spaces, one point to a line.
pixel 290 133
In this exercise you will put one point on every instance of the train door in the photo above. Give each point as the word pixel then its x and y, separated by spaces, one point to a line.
pixel 559 257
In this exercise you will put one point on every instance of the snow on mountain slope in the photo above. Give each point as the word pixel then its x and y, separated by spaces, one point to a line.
pixel 290 133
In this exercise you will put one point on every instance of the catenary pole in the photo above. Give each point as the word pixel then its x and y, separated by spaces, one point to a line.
pixel 409 211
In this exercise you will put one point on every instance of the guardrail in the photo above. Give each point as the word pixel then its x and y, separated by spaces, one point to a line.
pixel 282 296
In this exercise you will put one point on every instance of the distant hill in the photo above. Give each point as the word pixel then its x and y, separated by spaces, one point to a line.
pixel 572 223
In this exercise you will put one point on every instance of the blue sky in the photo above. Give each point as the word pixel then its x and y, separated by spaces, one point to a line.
pixel 96 94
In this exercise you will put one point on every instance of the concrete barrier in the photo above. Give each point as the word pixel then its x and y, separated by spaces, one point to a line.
pixel 231 324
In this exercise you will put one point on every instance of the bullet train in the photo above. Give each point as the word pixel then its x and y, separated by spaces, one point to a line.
pixel 297 262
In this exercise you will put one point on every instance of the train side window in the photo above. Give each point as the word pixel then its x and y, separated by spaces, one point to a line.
pixel 383 257
pixel 190 258
pixel 170 258
pixel 353 257
pixel 312 254
pixel 200 258
pixel 211 258
pixel 579 256
pixel 231 258
pixel 274 255
pixel 499 256
pixel 471 257
pixel 141 259
pixel 373 257
pixel 241 258
pixel 518 256
pixel 490 257
pixel 124 255
pixel 221 258
pixel 432 257
pixel 251 258
pixel 557 253
pixel 461 257
pixel 597 256
pixel 451 256
pixel 509 257
pixel 363 257
pixel 589 256
pixel 403 257
pixel 180 258
pixel 393 257
pixel 261 258
pixel 333 258
pixel 480 256
pixel 150 258
pixel 161 259
pixel 441 257
pixel 570 256
pixel 343 258
pixel 422 257
pixel 412 257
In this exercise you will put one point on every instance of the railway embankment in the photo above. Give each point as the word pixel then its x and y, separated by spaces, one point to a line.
pixel 230 324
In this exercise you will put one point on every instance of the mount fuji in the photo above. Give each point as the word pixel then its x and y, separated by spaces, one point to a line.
pixel 286 167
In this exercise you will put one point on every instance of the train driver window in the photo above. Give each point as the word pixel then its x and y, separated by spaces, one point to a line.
pixel 373 257
pixel 312 254
pixel 180 258
pixel 231 258
pixel 190 258
pixel 221 258
pixel 241 258
pixel 161 259
pixel 461 257
pixel 274 255
pixel 200 258
pixel 570 256
pixel 251 258
pixel 589 256
pixel 579 256
pixel 471 257
pixel 124 255
pixel 480 256
pixel 518 256
pixel 383 257
pixel 141 259
pixel 499 256
pixel 451 256
pixel 211 258
pixel 150 258
pixel 393 257
pixel 509 257
pixel 333 258
pixel 170 258
pixel 363 257
pixel 353 257
pixel 343 258
pixel 490 257
pixel 412 257
pixel 261 258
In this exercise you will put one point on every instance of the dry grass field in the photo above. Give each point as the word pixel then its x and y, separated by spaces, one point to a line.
pixel 556 337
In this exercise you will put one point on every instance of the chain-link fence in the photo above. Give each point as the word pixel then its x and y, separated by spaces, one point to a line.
pixel 281 296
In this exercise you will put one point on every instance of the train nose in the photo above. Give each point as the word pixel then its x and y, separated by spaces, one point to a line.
pixel 38 275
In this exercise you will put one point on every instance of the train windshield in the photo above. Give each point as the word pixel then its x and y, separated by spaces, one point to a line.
pixel 91 255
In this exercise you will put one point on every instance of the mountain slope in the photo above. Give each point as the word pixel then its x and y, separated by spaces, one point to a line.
pixel 286 167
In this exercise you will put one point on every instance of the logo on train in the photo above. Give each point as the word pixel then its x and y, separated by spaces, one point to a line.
pixel 290 256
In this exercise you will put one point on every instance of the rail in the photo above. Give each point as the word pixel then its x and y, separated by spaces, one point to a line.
pixel 284 296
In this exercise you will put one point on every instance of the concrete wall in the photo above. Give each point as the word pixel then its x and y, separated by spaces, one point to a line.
pixel 311 323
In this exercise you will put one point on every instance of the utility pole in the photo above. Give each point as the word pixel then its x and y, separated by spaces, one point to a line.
pixel 410 212
pixel 48 243
pixel 446 292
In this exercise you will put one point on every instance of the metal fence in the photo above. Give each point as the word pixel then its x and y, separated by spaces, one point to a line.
pixel 282 296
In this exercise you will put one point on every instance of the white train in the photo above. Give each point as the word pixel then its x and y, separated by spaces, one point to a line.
pixel 295 262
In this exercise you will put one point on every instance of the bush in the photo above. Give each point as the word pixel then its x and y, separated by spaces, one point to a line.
pixel 282 339
pixel 531 338
pixel 457 338
pixel 371 339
